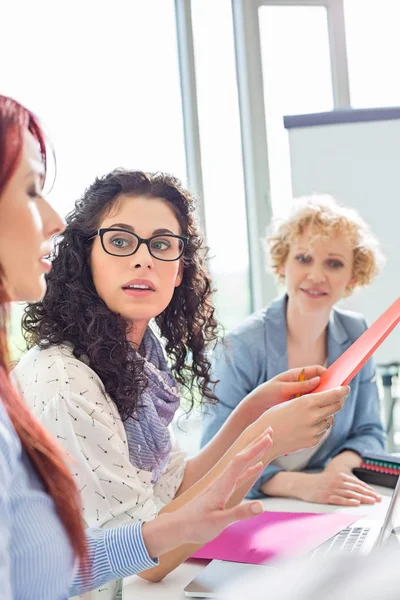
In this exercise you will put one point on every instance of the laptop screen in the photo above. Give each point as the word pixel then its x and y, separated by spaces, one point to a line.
pixel 392 516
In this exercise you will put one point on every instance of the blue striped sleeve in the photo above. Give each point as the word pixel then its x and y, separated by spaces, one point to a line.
pixel 114 553
pixel 9 449
pixel 5 523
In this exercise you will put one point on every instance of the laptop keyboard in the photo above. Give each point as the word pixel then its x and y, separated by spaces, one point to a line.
pixel 348 540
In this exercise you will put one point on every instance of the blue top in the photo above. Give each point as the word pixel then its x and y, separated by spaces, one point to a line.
pixel 36 560
pixel 256 351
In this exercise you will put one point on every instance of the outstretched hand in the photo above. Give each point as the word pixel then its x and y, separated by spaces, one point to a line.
pixel 209 512
pixel 281 388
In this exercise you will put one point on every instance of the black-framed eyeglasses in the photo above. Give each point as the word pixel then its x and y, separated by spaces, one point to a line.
pixel 120 242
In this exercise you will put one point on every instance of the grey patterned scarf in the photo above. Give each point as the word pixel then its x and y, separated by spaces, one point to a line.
pixel 147 431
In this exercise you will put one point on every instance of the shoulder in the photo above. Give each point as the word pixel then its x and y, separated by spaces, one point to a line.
pixel 352 322
pixel 255 329
pixel 42 358
pixel 247 339
pixel 49 371
pixel 250 330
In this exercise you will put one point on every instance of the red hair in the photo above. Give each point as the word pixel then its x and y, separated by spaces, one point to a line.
pixel 44 453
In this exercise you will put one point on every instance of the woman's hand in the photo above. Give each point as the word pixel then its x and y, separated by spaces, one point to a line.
pixel 207 514
pixel 301 422
pixel 334 487
pixel 344 462
pixel 281 388
pixel 276 391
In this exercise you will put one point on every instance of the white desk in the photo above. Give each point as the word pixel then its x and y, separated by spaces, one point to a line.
pixel 171 588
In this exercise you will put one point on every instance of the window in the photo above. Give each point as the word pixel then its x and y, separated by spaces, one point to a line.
pixel 224 195
pixel 373 49
pixel 103 77
pixel 297 79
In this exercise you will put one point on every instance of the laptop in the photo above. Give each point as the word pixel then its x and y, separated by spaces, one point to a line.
pixel 359 538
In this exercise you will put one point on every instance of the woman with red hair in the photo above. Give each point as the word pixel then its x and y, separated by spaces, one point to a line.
pixel 41 533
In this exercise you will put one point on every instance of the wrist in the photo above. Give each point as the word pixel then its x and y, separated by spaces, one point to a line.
pixel 241 417
pixel 280 447
pixel 295 485
pixel 351 456
pixel 245 413
pixel 285 484
pixel 348 459
pixel 163 534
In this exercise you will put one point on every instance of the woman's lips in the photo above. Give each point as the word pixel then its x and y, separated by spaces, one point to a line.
pixel 313 293
pixel 137 293
pixel 46 264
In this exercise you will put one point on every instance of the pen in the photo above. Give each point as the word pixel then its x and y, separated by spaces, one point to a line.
pixel 301 378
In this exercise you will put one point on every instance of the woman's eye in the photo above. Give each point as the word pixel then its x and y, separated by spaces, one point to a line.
pixel 303 259
pixel 33 193
pixel 160 245
pixel 119 243
pixel 335 264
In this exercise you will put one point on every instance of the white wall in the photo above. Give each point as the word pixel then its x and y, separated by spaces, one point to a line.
pixel 359 164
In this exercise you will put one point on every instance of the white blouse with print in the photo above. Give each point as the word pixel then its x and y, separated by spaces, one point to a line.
pixel 70 401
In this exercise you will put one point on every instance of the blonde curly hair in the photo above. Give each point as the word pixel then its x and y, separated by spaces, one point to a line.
pixel 325 218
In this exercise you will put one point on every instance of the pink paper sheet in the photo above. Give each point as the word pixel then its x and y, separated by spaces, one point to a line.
pixel 274 535
pixel 342 371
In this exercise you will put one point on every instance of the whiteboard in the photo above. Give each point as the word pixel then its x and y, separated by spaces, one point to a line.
pixel 354 155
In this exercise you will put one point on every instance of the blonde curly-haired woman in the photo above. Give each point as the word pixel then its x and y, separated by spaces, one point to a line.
pixel 321 252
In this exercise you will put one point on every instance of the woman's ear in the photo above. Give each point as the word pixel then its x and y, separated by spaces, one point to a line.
pixel 179 275
pixel 281 270
pixel 350 286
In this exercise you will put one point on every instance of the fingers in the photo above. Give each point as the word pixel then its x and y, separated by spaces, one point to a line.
pixel 336 396
pixel 342 501
pixel 247 510
pixel 329 421
pixel 250 476
pixel 292 375
pixel 368 489
pixel 325 425
pixel 325 404
pixel 362 498
pixel 353 491
pixel 294 388
pixel 325 412
pixel 255 450
pixel 229 479
pixel 353 484
pixel 349 498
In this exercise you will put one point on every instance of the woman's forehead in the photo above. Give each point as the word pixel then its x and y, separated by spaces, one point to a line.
pixel 142 211
pixel 318 243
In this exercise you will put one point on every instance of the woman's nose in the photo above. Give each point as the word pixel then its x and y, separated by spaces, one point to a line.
pixel 316 273
pixel 142 258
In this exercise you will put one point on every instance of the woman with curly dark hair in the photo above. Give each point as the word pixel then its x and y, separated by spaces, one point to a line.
pixel 96 375
pixel 81 308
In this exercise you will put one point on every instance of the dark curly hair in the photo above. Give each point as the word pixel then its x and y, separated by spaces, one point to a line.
pixel 72 311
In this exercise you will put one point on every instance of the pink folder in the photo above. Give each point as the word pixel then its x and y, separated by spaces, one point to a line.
pixel 274 535
pixel 342 371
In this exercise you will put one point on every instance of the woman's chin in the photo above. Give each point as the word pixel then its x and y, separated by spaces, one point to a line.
pixel 33 293
pixel 138 316
pixel 139 313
